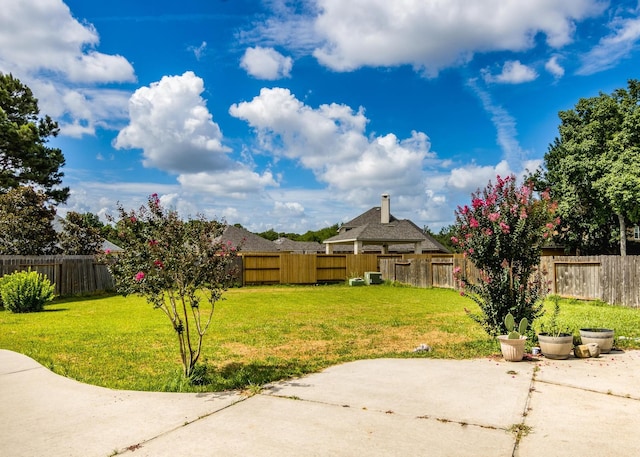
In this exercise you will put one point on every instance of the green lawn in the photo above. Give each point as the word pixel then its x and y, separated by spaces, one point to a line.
pixel 261 334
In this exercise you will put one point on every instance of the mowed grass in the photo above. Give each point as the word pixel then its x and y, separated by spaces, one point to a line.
pixel 262 334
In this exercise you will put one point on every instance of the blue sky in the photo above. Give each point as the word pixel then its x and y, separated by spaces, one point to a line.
pixel 296 115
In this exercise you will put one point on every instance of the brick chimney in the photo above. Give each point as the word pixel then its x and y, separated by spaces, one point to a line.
pixel 385 209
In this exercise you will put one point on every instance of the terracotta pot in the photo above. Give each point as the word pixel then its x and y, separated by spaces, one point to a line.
pixel 556 347
pixel 602 336
pixel 512 350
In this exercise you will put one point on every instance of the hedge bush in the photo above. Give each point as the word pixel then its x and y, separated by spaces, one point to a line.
pixel 25 291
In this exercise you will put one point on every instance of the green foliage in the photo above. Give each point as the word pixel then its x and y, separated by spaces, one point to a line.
pixel 444 237
pixel 174 264
pixel 25 223
pixel 25 160
pixel 25 291
pixel 510 325
pixel 502 233
pixel 80 236
pixel 552 326
pixel 311 235
pixel 592 170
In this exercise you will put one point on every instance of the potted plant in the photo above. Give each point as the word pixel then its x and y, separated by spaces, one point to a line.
pixel 555 342
pixel 512 344
pixel 602 336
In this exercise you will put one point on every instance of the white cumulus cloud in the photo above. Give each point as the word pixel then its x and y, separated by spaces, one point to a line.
pixel 554 67
pixel 266 63
pixel 332 142
pixel 48 49
pixel 239 182
pixel 435 35
pixel 513 72
pixel 170 122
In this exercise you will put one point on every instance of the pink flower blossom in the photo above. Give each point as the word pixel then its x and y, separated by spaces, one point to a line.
pixel 159 264
pixel 107 251
pixel 454 240
pixel 456 270
pixel 549 225
pixel 505 228
pixel 133 219
pixel 473 223
pixel 153 242
pixel 139 276
pixel 494 217
pixel 464 210
pixel 477 203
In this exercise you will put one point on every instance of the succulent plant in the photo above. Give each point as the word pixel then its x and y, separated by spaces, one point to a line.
pixel 510 324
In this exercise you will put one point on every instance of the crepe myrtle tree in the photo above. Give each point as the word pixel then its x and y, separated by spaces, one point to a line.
pixel 176 265
pixel 502 233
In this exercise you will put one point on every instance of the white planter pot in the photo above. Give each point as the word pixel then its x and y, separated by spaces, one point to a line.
pixel 512 350
pixel 556 347
pixel 602 336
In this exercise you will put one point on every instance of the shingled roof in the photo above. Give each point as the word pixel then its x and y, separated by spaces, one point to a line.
pixel 247 241
pixel 298 247
pixel 371 234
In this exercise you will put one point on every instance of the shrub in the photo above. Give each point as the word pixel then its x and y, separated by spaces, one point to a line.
pixel 25 291
pixel 502 233
pixel 174 264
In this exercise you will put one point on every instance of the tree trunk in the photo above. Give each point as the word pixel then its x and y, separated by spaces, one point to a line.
pixel 623 235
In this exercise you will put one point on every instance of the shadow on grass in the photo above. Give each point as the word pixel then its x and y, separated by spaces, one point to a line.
pixel 242 375
pixel 87 297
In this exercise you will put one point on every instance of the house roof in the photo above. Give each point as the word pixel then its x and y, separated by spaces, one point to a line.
pixel 287 245
pixel 246 241
pixel 398 234
pixel 57 224
pixel 371 216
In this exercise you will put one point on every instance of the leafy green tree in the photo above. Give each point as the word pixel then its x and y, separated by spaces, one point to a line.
pixel 175 265
pixel 80 235
pixel 25 160
pixel 320 235
pixel 502 233
pixel 270 235
pixel 444 236
pixel 26 223
pixel 593 171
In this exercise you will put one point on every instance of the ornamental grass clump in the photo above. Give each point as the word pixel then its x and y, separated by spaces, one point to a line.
pixel 175 265
pixel 502 233
pixel 25 291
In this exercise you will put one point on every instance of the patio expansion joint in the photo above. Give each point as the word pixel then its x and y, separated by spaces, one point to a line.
pixel 595 391
pixel 134 447
pixel 442 420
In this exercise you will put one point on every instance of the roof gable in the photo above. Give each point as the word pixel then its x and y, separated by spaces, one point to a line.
pixel 245 240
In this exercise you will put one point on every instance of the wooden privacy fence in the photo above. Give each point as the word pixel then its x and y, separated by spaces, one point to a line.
pixel 71 274
pixel 612 279
pixel 284 268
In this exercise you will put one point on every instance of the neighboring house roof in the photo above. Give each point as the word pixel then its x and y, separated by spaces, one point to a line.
pixel 298 247
pixel 246 241
pixel 106 244
pixel 397 235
